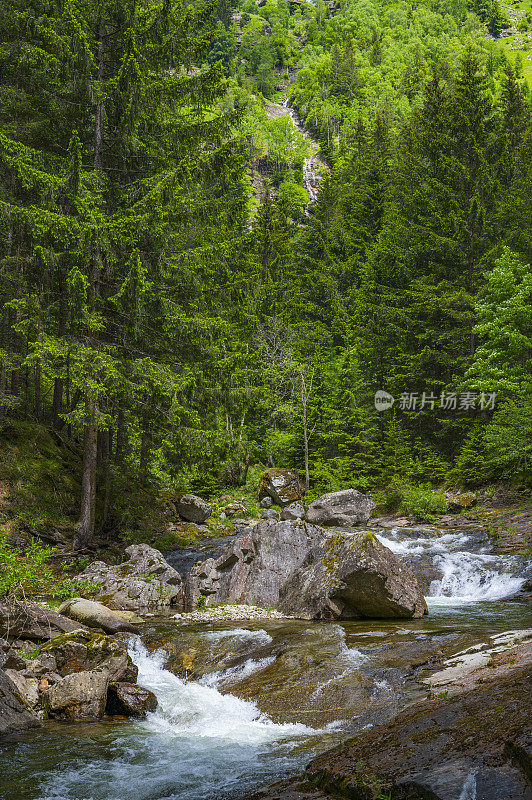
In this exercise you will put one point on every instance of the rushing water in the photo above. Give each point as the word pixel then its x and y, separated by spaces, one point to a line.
pixel 264 698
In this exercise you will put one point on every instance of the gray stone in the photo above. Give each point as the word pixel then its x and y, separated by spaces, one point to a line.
pixel 340 509
pixel 266 502
pixel 27 687
pixel 270 513
pixel 293 511
pixel 129 700
pixel 95 615
pixel 253 567
pixel 30 621
pixel 145 582
pixel 351 576
pixel 78 696
pixel 193 508
pixel 14 714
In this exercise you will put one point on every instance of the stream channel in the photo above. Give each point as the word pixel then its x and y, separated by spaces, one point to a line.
pixel 242 704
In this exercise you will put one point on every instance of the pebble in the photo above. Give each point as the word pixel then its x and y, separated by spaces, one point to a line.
pixel 231 612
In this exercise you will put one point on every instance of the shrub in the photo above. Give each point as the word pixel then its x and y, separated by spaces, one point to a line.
pixel 423 502
pixel 26 571
pixel 201 603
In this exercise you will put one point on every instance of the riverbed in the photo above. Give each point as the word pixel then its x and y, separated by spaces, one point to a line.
pixel 242 704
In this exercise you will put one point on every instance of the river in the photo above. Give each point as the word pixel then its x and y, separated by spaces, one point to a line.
pixel 259 700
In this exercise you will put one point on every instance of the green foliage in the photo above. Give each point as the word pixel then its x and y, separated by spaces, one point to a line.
pixel 423 502
pixel 201 603
pixel 27 572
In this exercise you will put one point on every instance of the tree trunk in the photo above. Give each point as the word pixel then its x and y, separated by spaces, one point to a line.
pixel 105 460
pixel 100 104
pixel 145 442
pixel 120 437
pixel 57 403
pixel 37 394
pixel 85 530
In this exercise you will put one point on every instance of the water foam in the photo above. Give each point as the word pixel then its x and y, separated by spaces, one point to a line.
pixel 197 744
pixel 471 577
pixel 232 675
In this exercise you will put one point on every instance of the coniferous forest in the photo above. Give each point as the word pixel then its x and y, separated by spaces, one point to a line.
pixel 172 308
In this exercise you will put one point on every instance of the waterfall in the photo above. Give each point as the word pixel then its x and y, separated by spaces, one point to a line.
pixel 465 571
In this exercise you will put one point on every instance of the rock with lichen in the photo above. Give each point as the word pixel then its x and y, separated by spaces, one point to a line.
pixel 143 583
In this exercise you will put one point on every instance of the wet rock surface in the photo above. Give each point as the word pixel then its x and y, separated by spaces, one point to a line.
pixel 475 744
pixel 129 700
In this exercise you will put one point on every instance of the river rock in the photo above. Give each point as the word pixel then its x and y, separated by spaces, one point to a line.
pixel 143 583
pixel 282 485
pixel 78 696
pixel 20 620
pixel 27 687
pixel 340 509
pixel 130 700
pixel 193 508
pixel 474 744
pixel 95 615
pixel 14 714
pixel 87 650
pixel 293 511
pixel 254 567
pixel 460 502
pixel 351 576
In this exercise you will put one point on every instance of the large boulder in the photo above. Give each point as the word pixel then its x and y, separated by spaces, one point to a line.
pixel 282 485
pixel 78 696
pixel 193 508
pixel 14 712
pixel 87 650
pixel 145 582
pixel 87 664
pixel 129 700
pixel 254 567
pixel 340 509
pixel 20 620
pixel 351 576
pixel 95 615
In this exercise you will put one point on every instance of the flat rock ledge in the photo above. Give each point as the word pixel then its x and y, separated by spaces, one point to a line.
pixel 470 741
pixel 231 612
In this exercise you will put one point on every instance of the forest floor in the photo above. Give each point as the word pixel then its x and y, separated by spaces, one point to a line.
pixel 40 475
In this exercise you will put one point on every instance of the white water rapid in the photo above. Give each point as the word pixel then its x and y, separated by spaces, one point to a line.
pixel 206 743
pixel 464 568
pixel 197 744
